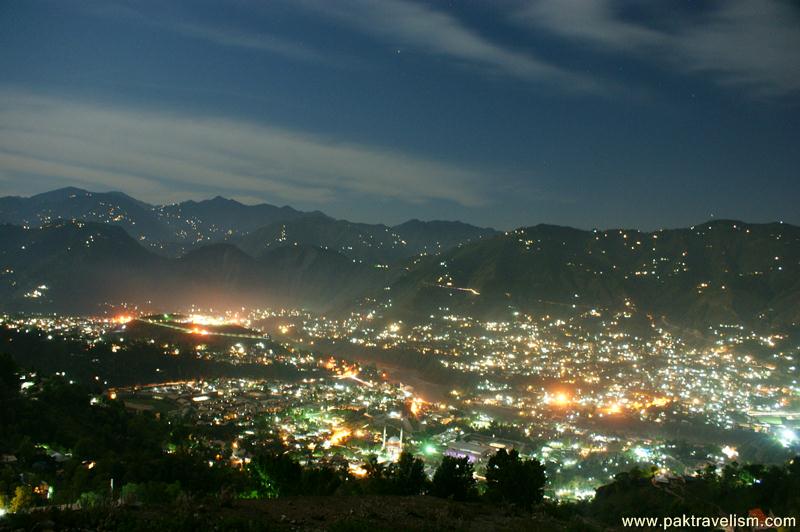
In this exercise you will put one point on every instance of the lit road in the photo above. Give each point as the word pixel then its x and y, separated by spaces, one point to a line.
pixel 202 332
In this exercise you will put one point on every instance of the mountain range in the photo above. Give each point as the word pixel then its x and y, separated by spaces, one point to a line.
pixel 174 229
pixel 718 272
pixel 78 251
pixel 88 267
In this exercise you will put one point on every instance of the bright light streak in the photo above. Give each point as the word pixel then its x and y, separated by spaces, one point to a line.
pixel 357 470
pixel 787 437
pixel 558 399
pixel 199 319
pixel 338 436
pixel 730 452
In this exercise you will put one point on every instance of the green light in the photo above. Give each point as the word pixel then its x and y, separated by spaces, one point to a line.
pixel 430 449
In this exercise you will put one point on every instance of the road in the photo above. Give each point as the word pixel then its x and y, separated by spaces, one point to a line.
pixel 203 332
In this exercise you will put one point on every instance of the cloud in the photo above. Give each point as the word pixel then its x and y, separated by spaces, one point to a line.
pixel 428 30
pixel 400 22
pixel 738 42
pixel 217 34
pixel 157 154
pixel 249 40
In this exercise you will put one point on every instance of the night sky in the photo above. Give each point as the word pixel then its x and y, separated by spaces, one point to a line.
pixel 585 113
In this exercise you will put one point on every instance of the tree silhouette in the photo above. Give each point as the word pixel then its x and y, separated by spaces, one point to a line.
pixel 407 476
pixel 23 499
pixel 512 479
pixel 276 474
pixel 453 478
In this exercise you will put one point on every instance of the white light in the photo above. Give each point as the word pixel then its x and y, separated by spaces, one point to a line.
pixel 730 452
pixel 787 437
pixel 641 453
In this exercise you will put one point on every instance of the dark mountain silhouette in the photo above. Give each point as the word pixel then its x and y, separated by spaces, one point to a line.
pixel 74 266
pixel 364 242
pixel 716 272
pixel 174 229
pixel 437 236
pixel 84 267
pixel 220 218
pixel 114 208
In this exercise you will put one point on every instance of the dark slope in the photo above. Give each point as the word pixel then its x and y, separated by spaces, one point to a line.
pixel 81 267
pixel 169 229
pixel 437 236
pixel 722 271
pixel 74 265
pixel 174 229
pixel 369 243
pixel 71 203
pixel 320 278
pixel 220 218
pixel 374 244
pixel 717 272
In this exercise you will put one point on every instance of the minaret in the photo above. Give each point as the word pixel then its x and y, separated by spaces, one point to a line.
pixel 383 443
pixel 401 438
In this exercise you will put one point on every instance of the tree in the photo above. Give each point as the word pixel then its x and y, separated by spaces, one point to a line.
pixel 151 492
pixel 407 476
pixel 376 478
pixel 9 383
pixel 90 499
pixel 23 499
pixel 375 470
pixel 276 474
pixel 26 451
pixel 708 473
pixel 514 480
pixel 321 480
pixel 453 478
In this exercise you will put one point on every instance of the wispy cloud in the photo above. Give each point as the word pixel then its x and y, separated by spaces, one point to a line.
pixel 239 38
pixel 158 155
pixel 737 42
pixel 422 28
pixel 228 36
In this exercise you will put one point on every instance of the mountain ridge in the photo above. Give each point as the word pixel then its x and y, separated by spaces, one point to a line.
pixel 719 271
pixel 737 270
pixel 86 267
pixel 173 229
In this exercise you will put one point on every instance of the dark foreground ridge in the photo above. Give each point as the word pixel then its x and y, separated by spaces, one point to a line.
pixel 333 513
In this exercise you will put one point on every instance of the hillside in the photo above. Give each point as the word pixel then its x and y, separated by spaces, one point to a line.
pixel 721 271
pixel 334 513
pixel 364 242
pixel 85 267
pixel 220 218
pixel 169 229
pixel 717 272
pixel 74 266
pixel 114 208
pixel 174 229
